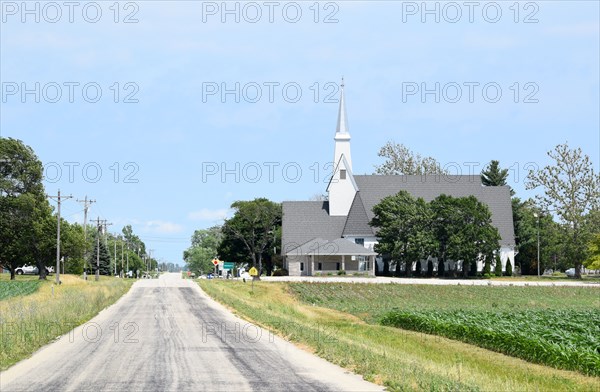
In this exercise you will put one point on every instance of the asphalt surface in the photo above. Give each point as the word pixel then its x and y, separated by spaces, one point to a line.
pixel 171 337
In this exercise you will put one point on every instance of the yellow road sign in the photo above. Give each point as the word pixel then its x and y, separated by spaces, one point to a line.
pixel 253 272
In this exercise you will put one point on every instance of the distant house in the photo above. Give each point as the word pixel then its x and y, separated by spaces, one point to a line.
pixel 334 235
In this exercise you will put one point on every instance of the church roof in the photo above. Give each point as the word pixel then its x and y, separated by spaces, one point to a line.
pixel 357 223
pixel 373 188
pixel 308 220
pixel 303 221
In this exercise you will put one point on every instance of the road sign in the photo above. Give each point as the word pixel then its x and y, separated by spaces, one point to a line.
pixel 215 261
pixel 253 272
pixel 228 265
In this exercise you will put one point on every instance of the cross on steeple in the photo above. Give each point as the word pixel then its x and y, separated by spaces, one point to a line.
pixel 342 122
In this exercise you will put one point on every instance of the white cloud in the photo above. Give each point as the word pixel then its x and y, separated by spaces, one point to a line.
pixel 162 227
pixel 206 214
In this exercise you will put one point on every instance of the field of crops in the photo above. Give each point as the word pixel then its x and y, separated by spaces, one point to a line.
pixel 555 326
pixel 18 287
pixel 566 339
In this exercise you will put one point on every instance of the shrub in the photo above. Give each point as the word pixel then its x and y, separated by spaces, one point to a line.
pixel 498 268
pixel 441 269
pixel 430 268
pixel 509 270
pixel 418 269
pixel 341 272
pixel 473 270
pixel 487 268
pixel 281 272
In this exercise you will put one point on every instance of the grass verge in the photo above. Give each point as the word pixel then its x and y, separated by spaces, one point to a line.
pixel 27 322
pixel 400 359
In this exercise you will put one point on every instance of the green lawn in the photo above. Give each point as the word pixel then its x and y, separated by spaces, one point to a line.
pixel 340 322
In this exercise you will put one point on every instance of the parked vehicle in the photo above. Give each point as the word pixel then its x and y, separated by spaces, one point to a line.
pixel 28 269
pixel 570 272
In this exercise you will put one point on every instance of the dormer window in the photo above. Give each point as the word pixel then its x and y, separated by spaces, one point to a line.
pixel 342 174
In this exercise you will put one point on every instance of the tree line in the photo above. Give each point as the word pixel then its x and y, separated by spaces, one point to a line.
pixel 565 214
pixel 28 225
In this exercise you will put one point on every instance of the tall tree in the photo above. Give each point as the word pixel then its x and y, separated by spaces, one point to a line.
pixel 404 229
pixel 104 257
pixel 593 260
pixel 254 226
pixel 527 225
pixel 24 209
pixel 401 160
pixel 134 242
pixel 492 175
pixel 572 191
pixel 204 248
pixel 464 230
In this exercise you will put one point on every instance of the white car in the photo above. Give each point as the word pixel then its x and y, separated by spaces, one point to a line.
pixel 31 270
pixel 570 272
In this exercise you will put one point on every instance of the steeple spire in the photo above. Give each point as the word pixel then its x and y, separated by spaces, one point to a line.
pixel 342 122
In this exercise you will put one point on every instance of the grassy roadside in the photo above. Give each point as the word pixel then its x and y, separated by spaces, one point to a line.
pixel 399 359
pixel 27 322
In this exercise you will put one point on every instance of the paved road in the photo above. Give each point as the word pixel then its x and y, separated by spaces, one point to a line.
pixel 172 337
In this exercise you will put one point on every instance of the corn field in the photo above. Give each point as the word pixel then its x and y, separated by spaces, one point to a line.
pixel 565 339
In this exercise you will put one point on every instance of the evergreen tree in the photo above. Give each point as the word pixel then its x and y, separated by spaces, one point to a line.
pixel 430 268
pixel 487 268
pixel 104 259
pixel 498 269
pixel 492 175
pixel 441 269
pixel 508 268
pixel 418 269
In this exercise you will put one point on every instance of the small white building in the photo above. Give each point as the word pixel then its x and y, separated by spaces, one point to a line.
pixel 335 235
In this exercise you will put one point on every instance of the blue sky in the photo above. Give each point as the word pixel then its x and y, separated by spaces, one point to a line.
pixel 162 155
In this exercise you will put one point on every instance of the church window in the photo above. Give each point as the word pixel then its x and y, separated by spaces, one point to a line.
pixel 342 174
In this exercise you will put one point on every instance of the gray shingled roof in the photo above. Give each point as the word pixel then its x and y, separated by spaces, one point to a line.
pixel 338 247
pixel 307 220
pixel 373 188
pixel 357 224
pixel 303 221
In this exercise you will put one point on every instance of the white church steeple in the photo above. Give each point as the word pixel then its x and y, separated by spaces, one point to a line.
pixel 342 187
pixel 342 137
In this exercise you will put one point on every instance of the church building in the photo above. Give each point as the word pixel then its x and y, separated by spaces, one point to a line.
pixel 324 237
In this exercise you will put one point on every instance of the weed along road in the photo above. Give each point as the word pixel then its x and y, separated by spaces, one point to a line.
pixel 166 335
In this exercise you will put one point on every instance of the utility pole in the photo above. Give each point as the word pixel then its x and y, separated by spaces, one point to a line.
pixel 86 206
pixel 121 257
pixel 128 258
pixel 115 256
pixel 58 200
pixel 537 216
